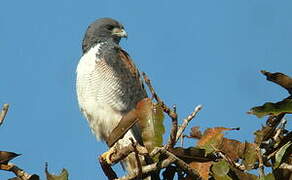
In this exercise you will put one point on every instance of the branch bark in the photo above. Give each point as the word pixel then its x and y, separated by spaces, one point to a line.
pixel 148 169
pixel 20 173
pixel 3 113
pixel 186 121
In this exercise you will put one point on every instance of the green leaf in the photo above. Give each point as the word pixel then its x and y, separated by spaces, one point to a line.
pixel 270 108
pixel 280 154
pixel 267 177
pixel 63 175
pixel 220 170
pixel 222 177
pixel 151 123
pixel 158 117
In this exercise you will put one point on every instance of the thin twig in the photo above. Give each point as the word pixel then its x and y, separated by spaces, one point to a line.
pixel 186 121
pixel 173 131
pixel 182 141
pixel 166 109
pixel 192 172
pixel 139 165
pixel 163 164
pixel 227 158
pixel 3 113
pixel 16 170
pixel 280 129
pixel 286 166
pixel 278 132
pixel 261 165
pixel 230 161
pixel 272 154
pixel 286 139
pixel 273 125
pixel 171 113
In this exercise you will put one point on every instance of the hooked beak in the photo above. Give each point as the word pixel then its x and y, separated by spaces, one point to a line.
pixel 120 32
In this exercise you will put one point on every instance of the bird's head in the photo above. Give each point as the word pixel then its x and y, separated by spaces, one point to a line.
pixel 102 30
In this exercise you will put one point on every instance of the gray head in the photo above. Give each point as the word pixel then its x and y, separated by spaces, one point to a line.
pixel 101 30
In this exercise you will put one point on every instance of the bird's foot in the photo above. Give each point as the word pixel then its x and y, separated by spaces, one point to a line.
pixel 107 155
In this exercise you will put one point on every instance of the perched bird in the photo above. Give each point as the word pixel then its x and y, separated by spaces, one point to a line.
pixel 108 83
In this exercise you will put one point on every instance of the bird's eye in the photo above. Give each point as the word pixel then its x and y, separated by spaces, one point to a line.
pixel 109 27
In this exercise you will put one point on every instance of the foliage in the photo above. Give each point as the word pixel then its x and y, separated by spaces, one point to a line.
pixel 150 117
pixel 213 157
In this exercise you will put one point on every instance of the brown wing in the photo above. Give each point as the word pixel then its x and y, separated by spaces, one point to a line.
pixel 125 57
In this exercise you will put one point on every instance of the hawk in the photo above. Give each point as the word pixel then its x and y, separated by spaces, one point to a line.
pixel 108 83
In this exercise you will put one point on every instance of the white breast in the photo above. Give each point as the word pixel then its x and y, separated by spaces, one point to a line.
pixel 97 90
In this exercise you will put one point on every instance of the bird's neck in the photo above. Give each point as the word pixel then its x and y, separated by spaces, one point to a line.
pixel 111 40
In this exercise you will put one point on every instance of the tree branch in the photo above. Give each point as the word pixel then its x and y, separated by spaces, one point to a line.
pixel 186 121
pixel 139 165
pixel 116 156
pixel 20 173
pixel 3 113
pixel 192 172
pixel 173 132
pixel 107 169
pixel 286 166
pixel 166 109
pixel 148 169
pixel 261 165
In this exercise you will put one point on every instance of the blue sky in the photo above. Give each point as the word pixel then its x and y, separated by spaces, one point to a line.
pixel 195 52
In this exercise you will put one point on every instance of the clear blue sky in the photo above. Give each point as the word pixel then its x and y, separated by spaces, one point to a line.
pixel 195 52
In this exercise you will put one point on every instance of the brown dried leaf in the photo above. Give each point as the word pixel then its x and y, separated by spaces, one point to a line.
pixel 212 138
pixel 280 79
pixel 233 148
pixel 192 154
pixel 260 134
pixel 202 168
pixel 210 134
pixel 195 132
pixel 5 156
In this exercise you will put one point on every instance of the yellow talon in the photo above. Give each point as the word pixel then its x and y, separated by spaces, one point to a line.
pixel 107 155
